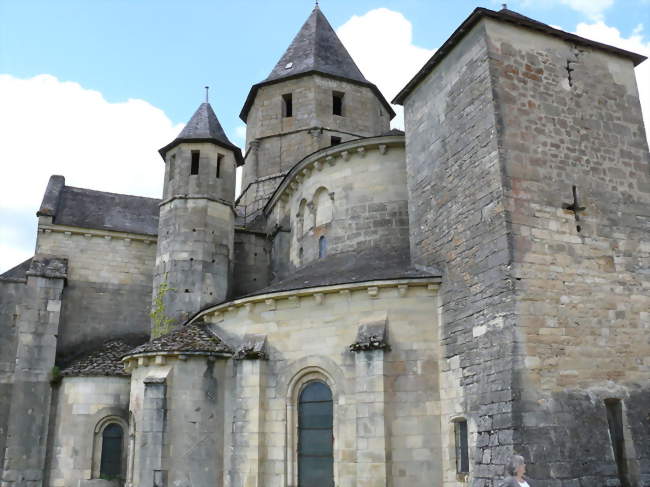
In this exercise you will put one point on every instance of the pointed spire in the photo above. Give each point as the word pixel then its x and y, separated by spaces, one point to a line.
pixel 316 47
pixel 204 127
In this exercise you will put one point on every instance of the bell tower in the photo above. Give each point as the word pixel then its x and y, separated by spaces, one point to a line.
pixel 196 227
pixel 314 97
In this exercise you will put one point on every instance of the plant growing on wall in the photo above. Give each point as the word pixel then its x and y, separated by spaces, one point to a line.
pixel 161 323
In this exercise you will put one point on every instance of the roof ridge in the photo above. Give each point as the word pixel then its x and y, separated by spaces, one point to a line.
pixel 89 190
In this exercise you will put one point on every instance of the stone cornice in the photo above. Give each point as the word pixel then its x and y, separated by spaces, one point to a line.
pixel 92 232
pixel 373 288
pixel 330 156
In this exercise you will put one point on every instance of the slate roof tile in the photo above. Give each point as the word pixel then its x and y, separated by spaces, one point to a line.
pixel 193 338
pixel 17 272
pixel 204 126
pixel 103 361
pixel 351 267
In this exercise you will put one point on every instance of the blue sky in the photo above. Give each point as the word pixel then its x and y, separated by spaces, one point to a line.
pixel 122 76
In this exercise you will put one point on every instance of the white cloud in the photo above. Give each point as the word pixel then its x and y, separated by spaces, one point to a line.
pixel 53 127
pixel 240 133
pixel 381 43
pixel 593 9
pixel 601 32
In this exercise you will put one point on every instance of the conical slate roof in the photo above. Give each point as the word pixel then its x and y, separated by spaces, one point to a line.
pixel 315 49
pixel 204 126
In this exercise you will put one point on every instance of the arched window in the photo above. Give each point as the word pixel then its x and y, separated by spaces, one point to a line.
pixel 324 207
pixel 315 436
pixel 322 247
pixel 111 459
pixel 300 218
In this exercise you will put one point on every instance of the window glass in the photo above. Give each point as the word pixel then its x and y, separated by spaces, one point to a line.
pixel 462 447
pixel 111 461
pixel 322 247
pixel 315 439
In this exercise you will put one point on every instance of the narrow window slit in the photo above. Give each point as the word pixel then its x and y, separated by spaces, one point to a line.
pixel 194 169
pixel 219 159
pixel 462 446
pixel 337 103
pixel 287 105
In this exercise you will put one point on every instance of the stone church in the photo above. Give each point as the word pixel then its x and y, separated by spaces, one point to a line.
pixel 377 307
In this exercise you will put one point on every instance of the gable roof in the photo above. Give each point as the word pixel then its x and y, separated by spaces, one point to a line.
pixel 194 339
pixel 315 49
pixel 204 126
pixel 515 18
pixel 87 208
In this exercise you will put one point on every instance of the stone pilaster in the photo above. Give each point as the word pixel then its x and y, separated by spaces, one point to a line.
pixel 37 327
pixel 152 441
pixel 250 369
pixel 372 438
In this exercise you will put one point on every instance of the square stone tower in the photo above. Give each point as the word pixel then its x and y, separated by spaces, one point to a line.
pixel 529 184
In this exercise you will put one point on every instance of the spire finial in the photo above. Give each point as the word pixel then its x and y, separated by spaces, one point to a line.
pixel 207 94
pixel 316 4
pixel 504 6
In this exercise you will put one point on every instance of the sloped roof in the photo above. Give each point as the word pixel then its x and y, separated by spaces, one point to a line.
pixel 105 360
pixel 351 267
pixel 204 126
pixel 87 208
pixel 512 17
pixel 194 338
pixel 315 49
pixel 17 272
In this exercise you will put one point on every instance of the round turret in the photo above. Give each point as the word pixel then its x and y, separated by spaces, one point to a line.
pixel 196 226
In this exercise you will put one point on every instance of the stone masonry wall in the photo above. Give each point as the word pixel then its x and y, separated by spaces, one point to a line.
pixel 570 116
pixel 366 213
pixel 37 327
pixel 458 223
pixel 276 143
pixel 252 262
pixel 84 405
pixel 180 432
pixel 308 335
pixel 11 294
pixel 108 291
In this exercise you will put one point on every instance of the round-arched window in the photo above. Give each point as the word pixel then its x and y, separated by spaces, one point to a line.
pixel 111 460
pixel 315 436
pixel 322 247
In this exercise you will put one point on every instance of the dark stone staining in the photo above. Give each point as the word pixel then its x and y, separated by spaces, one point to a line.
pixel 371 336
pixel 459 225
pixel 117 310
pixel 253 347
pixel 252 262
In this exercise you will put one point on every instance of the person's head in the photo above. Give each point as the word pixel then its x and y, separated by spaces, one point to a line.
pixel 516 466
